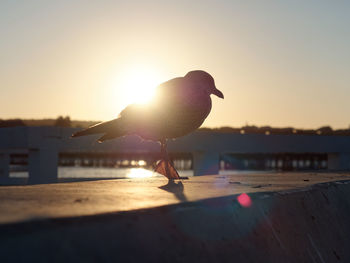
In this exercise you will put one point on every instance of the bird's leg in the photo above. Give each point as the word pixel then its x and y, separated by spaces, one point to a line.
pixel 165 166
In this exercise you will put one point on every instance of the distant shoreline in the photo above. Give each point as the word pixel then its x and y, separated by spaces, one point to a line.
pixel 247 129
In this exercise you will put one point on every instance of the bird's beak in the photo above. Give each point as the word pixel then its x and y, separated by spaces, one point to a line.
pixel 218 93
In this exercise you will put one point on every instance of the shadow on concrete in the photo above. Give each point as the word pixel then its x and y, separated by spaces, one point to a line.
pixel 175 188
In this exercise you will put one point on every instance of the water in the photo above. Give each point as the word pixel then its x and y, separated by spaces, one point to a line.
pixel 103 172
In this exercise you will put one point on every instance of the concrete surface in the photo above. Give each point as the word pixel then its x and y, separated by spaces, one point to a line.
pixel 19 203
pixel 289 217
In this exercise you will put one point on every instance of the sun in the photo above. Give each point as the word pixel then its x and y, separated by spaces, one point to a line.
pixel 132 83
pixel 138 84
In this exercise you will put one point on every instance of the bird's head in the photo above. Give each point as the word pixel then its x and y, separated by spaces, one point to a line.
pixel 205 80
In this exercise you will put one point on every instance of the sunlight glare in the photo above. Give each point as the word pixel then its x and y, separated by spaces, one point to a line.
pixel 140 173
pixel 139 84
pixel 141 163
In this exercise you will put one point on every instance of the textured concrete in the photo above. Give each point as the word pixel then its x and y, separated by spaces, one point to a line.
pixel 20 203
pixel 287 218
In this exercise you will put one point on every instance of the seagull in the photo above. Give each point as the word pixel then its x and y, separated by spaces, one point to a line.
pixel 179 107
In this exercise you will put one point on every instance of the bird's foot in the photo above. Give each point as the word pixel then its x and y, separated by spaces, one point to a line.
pixel 167 169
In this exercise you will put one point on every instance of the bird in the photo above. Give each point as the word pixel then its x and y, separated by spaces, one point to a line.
pixel 179 107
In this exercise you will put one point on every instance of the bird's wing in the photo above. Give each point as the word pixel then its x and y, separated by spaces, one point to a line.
pixel 169 90
pixel 167 97
pixel 101 127
pixel 143 120
pixel 111 129
pixel 171 114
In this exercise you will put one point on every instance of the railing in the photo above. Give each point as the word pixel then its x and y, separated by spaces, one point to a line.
pixel 43 145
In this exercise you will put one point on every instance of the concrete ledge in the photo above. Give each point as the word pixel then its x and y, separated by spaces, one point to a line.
pixel 310 224
pixel 21 203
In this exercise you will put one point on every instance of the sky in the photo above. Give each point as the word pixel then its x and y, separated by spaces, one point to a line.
pixel 278 63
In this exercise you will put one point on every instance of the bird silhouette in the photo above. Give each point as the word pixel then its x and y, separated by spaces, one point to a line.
pixel 180 106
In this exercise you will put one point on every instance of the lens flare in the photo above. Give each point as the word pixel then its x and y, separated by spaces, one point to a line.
pixel 244 200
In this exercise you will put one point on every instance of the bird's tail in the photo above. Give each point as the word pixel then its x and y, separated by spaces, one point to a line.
pixel 111 129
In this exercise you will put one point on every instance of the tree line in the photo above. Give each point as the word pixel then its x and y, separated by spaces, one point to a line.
pixel 65 121
pixel 60 121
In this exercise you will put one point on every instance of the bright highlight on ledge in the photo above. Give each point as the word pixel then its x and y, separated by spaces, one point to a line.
pixel 140 173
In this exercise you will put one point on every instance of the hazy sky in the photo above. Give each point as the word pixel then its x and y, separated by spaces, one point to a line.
pixel 280 63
